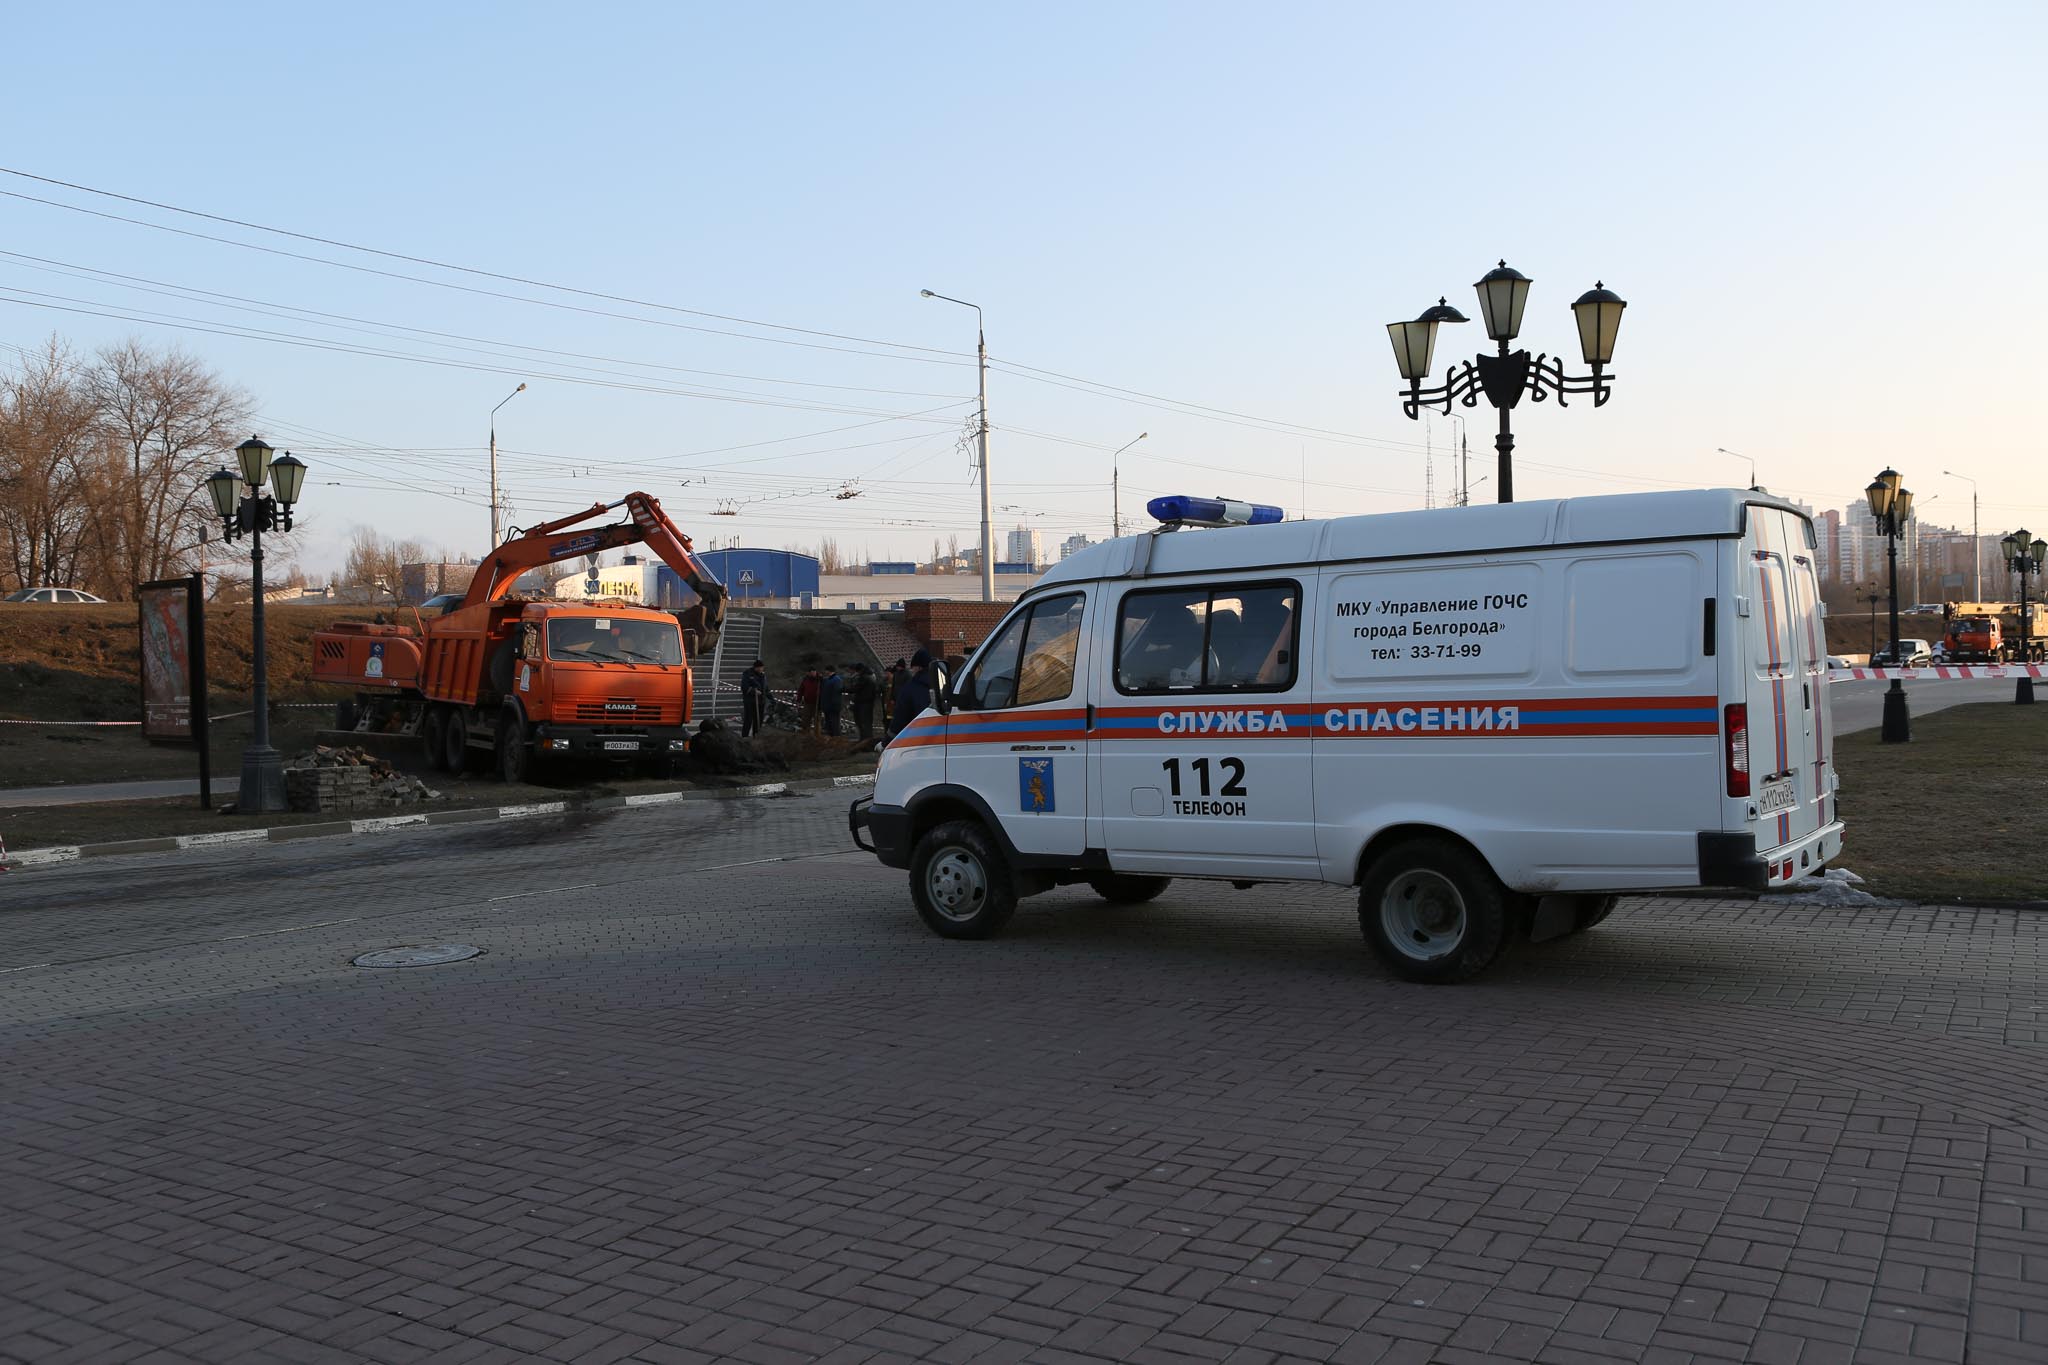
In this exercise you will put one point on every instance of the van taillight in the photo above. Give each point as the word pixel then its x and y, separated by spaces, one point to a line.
pixel 1736 730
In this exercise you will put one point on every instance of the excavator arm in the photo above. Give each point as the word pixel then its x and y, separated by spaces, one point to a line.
pixel 554 541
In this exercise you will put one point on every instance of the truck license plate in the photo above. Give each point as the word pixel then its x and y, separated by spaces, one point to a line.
pixel 629 745
pixel 1778 795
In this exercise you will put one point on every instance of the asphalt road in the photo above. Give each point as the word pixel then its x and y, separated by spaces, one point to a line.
pixel 712 1093
pixel 1860 705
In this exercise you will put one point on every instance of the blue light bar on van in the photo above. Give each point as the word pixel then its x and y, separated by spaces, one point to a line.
pixel 1188 511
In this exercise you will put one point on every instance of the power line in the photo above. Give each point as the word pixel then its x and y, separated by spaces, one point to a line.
pixel 469 289
pixel 461 269
pixel 297 313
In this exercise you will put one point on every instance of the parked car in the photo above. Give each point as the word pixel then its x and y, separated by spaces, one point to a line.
pixel 1912 654
pixel 65 595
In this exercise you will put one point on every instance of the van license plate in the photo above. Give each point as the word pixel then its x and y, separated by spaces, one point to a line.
pixel 1779 794
pixel 630 745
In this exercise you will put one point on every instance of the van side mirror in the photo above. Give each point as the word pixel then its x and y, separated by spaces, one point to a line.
pixel 941 687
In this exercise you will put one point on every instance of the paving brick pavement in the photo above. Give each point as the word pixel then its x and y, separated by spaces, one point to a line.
pixel 691 1105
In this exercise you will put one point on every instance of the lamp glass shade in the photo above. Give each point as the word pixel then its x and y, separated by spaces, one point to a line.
pixel 1598 311
pixel 1891 480
pixel 290 473
pixel 1503 292
pixel 2012 546
pixel 2040 551
pixel 1880 495
pixel 1414 346
pixel 254 456
pixel 224 486
pixel 1902 506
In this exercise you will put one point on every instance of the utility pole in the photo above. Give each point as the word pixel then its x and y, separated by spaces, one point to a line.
pixel 1976 540
pixel 988 563
pixel 496 538
pixel 1116 506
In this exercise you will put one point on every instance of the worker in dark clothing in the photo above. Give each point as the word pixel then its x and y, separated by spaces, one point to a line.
pixel 863 702
pixel 917 691
pixel 892 687
pixel 832 698
pixel 753 698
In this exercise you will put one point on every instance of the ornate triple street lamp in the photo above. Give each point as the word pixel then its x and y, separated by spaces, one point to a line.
pixel 2024 553
pixel 1892 507
pixel 1506 375
pixel 245 509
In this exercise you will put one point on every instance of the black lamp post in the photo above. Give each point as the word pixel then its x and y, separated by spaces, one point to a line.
pixel 1892 505
pixel 1506 375
pixel 244 508
pixel 2024 553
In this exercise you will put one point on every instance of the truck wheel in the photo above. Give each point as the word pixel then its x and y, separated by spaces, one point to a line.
pixel 1125 888
pixel 515 753
pixel 1432 911
pixel 434 738
pixel 455 740
pixel 960 881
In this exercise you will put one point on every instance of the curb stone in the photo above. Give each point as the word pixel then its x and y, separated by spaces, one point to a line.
pixel 377 824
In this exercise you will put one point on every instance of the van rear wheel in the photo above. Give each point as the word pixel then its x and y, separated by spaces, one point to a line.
pixel 1432 911
pixel 960 881
pixel 1127 888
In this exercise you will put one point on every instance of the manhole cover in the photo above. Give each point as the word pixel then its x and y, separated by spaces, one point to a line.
pixel 418 955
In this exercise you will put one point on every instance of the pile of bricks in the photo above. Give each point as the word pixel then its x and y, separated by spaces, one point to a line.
pixel 950 629
pixel 346 778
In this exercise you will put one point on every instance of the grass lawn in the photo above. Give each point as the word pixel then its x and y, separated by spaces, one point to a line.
pixel 1958 815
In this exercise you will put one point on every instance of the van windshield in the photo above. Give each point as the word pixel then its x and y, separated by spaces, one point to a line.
pixel 614 639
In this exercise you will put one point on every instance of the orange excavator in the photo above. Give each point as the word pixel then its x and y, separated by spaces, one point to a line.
pixel 515 681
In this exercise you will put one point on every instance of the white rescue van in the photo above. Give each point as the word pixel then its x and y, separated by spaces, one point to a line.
pixel 1491 720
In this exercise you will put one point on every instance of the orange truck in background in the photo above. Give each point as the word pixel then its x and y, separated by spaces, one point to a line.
pixel 1992 633
pixel 511 682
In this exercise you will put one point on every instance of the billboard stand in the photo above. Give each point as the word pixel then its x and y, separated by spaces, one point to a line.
pixel 172 619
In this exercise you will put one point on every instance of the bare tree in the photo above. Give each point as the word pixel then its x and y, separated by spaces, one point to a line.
pixel 169 419
pixel 373 558
pixel 829 558
pixel 48 449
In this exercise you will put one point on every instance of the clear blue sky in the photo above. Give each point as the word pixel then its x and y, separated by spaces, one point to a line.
pixel 1826 219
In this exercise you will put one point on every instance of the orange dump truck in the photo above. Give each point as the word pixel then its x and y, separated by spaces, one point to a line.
pixel 512 681
pixel 1993 632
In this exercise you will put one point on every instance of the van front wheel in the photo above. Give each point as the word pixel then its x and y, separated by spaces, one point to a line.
pixel 1432 911
pixel 960 881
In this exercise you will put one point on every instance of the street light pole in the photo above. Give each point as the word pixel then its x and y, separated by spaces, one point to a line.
pixel 1976 543
pixel 2024 553
pixel 494 460
pixel 988 563
pixel 1116 513
pixel 1504 377
pixel 253 513
pixel 1892 506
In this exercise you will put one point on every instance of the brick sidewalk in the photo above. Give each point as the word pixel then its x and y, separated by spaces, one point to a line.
pixel 759 1114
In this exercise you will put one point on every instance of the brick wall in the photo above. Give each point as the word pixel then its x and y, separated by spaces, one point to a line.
pixel 949 629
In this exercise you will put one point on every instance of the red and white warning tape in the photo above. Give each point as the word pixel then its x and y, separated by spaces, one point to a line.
pixel 1940 672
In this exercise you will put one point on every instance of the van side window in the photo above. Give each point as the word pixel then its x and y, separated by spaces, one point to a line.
pixel 1030 661
pixel 1239 637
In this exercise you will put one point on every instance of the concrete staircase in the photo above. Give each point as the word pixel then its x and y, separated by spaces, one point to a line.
pixel 739 644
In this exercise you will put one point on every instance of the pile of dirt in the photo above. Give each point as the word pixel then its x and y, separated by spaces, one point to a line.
pixel 717 749
pixel 790 746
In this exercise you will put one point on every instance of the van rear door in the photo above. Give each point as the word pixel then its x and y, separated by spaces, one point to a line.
pixel 1784 667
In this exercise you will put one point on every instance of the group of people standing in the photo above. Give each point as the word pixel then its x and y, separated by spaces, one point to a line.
pixel 823 696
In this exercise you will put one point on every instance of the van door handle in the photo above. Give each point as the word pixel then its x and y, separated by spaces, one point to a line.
pixel 1091 716
pixel 1806 695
